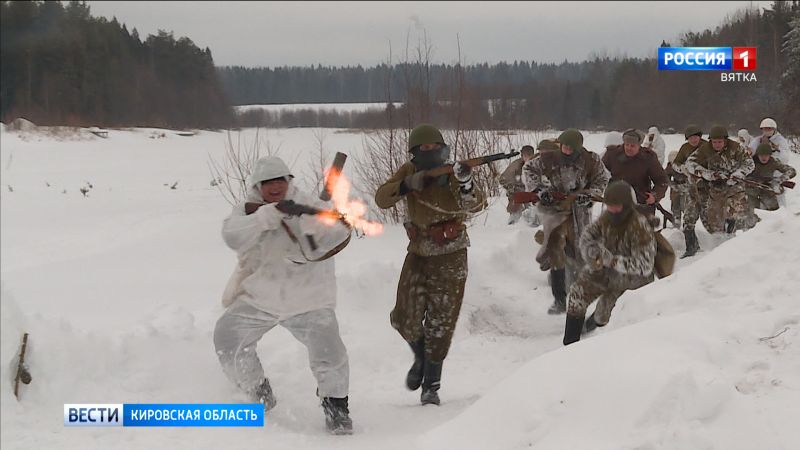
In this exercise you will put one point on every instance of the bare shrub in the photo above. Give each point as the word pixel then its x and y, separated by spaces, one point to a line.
pixel 231 171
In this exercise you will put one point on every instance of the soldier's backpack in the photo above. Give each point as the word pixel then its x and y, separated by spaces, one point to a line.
pixel 665 256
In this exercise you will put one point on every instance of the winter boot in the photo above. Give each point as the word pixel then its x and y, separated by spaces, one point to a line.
pixel 692 246
pixel 337 415
pixel 414 377
pixel 263 394
pixel 558 284
pixel 572 329
pixel 730 226
pixel 431 383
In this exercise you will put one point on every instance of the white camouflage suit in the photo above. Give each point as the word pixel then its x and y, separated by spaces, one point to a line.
pixel 279 286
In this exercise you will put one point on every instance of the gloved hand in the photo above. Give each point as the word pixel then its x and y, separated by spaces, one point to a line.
pixel 776 187
pixel 607 257
pixel 583 200
pixel 462 172
pixel 546 198
pixel 415 182
pixel 709 175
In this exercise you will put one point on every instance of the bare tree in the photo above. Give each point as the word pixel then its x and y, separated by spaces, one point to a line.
pixel 231 172
pixel 319 162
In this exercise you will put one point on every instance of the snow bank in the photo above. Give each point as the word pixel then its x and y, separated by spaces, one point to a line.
pixel 703 359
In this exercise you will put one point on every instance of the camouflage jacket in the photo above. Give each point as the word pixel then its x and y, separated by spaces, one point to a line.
pixel 550 172
pixel 731 161
pixel 435 204
pixel 686 150
pixel 511 178
pixel 632 245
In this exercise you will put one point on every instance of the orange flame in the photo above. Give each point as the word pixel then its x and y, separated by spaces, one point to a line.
pixel 352 211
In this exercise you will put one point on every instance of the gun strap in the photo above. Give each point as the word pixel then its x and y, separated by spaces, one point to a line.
pixel 327 255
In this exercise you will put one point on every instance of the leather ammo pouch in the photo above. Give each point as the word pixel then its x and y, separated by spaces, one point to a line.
pixel 440 233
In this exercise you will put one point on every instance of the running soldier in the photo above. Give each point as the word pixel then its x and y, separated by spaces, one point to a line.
pixel 571 171
pixel 431 286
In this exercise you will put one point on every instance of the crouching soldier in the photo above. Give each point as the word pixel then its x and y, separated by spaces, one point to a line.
pixel 722 164
pixel 281 281
pixel 431 286
pixel 572 170
pixel 620 251
pixel 765 183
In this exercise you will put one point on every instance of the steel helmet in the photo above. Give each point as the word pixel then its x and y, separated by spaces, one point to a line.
pixel 768 123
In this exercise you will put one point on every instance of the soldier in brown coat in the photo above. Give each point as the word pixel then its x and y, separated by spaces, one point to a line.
pixel 431 286
pixel 573 171
pixel 620 253
pixel 640 168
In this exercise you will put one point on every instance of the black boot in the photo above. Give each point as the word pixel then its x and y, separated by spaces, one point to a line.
pixel 692 246
pixel 431 383
pixel 337 415
pixel 263 394
pixel 414 377
pixel 558 284
pixel 730 226
pixel 572 329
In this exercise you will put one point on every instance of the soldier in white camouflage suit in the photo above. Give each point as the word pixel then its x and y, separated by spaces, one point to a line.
pixel 572 170
pixel 722 164
pixel 620 251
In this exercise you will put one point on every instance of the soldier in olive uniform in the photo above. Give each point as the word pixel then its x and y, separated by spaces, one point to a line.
pixel 770 173
pixel 431 286
pixel 722 164
pixel 573 171
pixel 693 193
pixel 620 251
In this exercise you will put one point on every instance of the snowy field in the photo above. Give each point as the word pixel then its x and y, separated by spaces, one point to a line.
pixel 120 291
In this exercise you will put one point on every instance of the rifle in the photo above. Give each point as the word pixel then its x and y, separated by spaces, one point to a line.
pixel 533 197
pixel 472 162
pixel 760 185
pixel 667 214
pixel 294 209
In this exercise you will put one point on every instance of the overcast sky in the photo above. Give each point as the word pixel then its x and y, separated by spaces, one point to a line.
pixel 349 33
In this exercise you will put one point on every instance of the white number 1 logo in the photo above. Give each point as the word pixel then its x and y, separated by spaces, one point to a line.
pixel 744 56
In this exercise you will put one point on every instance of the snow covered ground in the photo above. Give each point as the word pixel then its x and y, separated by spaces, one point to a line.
pixel 120 291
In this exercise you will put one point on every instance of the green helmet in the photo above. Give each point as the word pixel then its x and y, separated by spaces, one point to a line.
pixel 619 193
pixel 692 130
pixel 718 132
pixel 571 137
pixel 547 145
pixel 424 134
pixel 764 149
